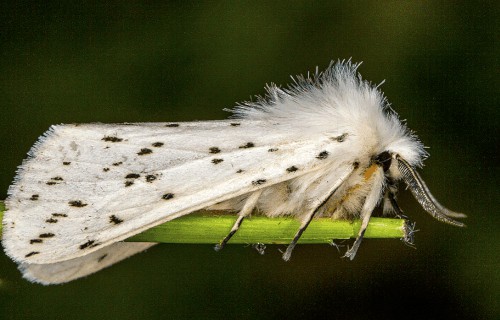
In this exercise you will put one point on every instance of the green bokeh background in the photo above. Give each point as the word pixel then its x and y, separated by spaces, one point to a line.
pixel 182 61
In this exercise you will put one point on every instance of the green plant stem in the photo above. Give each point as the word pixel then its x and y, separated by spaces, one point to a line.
pixel 210 227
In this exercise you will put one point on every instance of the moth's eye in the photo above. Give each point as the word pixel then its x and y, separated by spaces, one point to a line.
pixel 384 159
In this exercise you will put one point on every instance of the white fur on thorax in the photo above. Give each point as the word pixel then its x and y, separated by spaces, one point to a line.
pixel 333 103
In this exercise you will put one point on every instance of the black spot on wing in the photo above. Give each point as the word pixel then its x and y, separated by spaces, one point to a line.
pixel 258 182
pixel 157 144
pixel 247 145
pixel 322 155
pixel 235 124
pixel 116 164
pixel 128 183
pixel 340 138
pixel 105 169
pixel 102 257
pixel 89 244
pixel 46 235
pixel 54 180
pixel 132 176
pixel 172 125
pixel 272 150
pixel 62 215
pixel 51 220
pixel 167 196
pixel 214 150
pixel 86 244
pixel 33 241
pixel 292 169
pixel 240 171
pixel 217 161
pixel 34 197
pixel 32 253
pixel 77 203
pixel 150 178
pixel 112 139
pixel 144 151
pixel 114 219
pixel 66 163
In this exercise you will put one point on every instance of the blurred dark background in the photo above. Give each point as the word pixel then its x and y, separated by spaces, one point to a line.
pixel 183 61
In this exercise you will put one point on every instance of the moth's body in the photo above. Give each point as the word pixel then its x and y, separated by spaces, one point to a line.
pixel 330 146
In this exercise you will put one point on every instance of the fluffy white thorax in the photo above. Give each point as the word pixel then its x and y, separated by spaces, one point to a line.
pixel 334 102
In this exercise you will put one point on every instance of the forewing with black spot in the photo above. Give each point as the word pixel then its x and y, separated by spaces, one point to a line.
pixel 89 186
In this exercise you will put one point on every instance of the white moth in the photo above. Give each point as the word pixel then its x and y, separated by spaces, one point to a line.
pixel 329 145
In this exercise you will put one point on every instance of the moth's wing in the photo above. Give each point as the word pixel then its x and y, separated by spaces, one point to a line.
pixel 64 271
pixel 85 187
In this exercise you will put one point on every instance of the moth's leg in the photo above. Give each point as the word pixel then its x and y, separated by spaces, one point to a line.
pixel 390 203
pixel 303 227
pixel 288 253
pixel 250 204
pixel 368 207
pixel 260 248
pixel 395 206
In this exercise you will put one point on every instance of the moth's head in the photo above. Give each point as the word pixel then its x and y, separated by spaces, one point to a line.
pixel 395 168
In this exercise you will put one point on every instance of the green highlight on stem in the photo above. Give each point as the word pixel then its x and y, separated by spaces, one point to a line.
pixel 209 228
pixel 212 227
